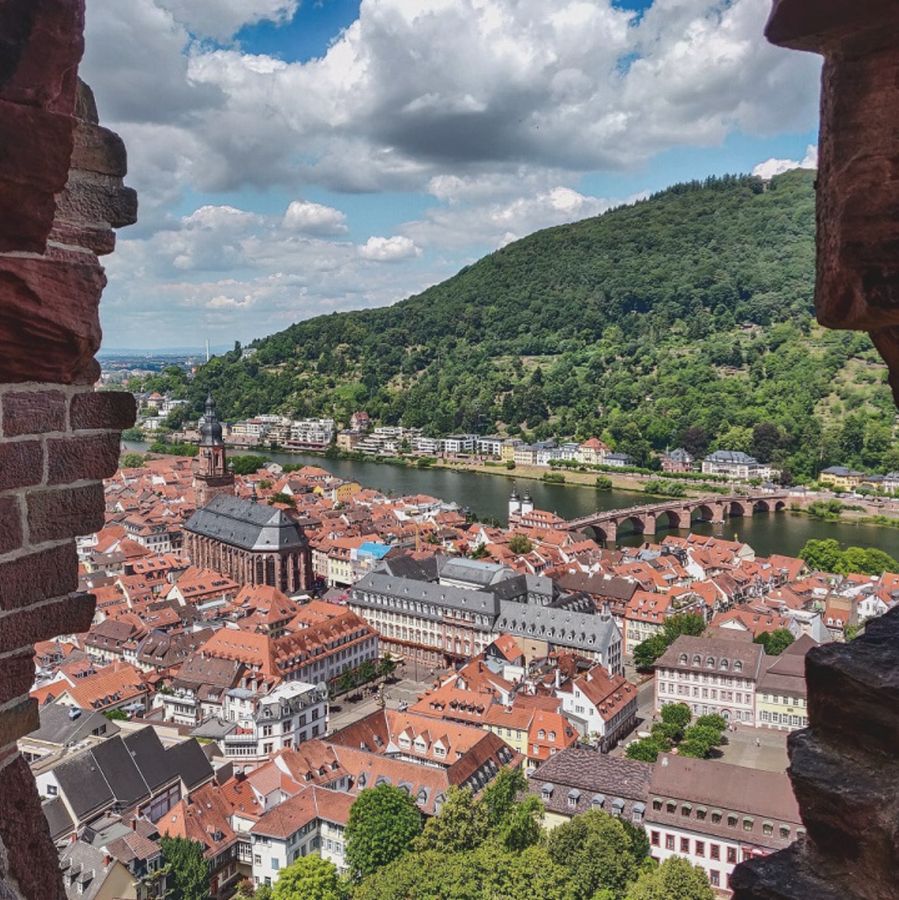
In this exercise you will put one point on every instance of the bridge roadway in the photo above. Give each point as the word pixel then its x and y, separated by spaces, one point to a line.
pixel 679 513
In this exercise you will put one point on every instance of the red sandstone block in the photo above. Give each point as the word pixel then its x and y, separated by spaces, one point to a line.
pixel 102 409
pixel 99 150
pixel 10 525
pixel 21 464
pixel 43 44
pixel 31 859
pixel 93 456
pixel 67 615
pixel 33 169
pixel 37 576
pixel 65 512
pixel 33 412
pixel 50 303
pixel 18 720
pixel 16 675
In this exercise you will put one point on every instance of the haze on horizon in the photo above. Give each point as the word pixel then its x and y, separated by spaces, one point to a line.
pixel 299 158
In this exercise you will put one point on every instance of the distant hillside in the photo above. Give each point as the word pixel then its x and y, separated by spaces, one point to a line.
pixel 685 317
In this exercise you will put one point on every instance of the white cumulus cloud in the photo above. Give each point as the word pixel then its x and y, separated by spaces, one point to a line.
pixel 388 249
pixel 314 218
pixel 771 167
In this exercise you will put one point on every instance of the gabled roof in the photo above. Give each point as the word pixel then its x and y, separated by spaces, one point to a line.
pixel 246 524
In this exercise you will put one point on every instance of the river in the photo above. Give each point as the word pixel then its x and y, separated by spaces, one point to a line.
pixel 488 497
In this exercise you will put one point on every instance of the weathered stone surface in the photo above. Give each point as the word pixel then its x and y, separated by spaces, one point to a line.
pixel 828 24
pixel 80 457
pixel 10 525
pixel 783 876
pixel 49 317
pixel 96 200
pixel 30 861
pixel 103 409
pixel 97 149
pixel 858 161
pixel 21 464
pixel 18 719
pixel 31 578
pixel 60 513
pixel 16 675
pixel 67 615
pixel 41 46
pixel 33 412
pixel 855 682
pixel 33 169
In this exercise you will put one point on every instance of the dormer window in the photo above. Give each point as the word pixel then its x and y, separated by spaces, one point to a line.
pixel 723 666
pixel 697 660
pixel 710 662
pixel 682 659
pixel 738 666
pixel 541 734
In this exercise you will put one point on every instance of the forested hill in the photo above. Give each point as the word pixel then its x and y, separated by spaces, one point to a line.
pixel 687 316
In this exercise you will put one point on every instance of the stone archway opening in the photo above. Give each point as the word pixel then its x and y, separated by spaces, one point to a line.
pixel 736 509
pixel 702 513
pixel 761 506
pixel 670 519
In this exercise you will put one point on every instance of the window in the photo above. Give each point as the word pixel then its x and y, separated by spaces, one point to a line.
pixel 767 828
pixel 700 848
pixel 669 841
pixel 732 854
pixel 716 817
pixel 714 851
pixel 684 845
pixel 785 832
pixel 732 821
pixel 275 864
pixel 747 824
pixel 714 877
pixel 51 790
pixel 657 804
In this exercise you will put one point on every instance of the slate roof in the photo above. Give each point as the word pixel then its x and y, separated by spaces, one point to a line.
pixel 58 818
pixel 190 762
pixel 121 771
pixel 150 757
pixel 598 780
pixel 84 785
pixel 246 524
pixel 560 627
pixel 58 727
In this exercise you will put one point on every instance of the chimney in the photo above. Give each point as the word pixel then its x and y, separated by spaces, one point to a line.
pixel 107 859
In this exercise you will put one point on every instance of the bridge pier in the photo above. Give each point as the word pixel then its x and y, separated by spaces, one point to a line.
pixel 717 513
pixel 649 524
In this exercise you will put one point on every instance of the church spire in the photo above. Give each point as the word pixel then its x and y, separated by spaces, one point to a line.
pixel 211 473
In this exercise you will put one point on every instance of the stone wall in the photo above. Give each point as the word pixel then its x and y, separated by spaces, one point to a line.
pixel 845 766
pixel 61 194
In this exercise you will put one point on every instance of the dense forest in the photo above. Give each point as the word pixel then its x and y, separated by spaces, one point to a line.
pixel 684 319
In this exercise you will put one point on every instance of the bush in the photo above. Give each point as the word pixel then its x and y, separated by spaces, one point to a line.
pixel 603 483
pixel 554 477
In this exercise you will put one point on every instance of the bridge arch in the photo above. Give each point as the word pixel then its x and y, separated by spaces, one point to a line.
pixel 636 523
pixel 702 512
pixel 761 506
pixel 603 534
pixel 780 505
pixel 736 508
pixel 672 518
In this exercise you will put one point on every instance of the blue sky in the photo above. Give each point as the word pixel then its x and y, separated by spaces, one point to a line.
pixel 297 158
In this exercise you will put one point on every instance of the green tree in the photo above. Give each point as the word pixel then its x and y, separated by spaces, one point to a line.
pixel 246 464
pixel 188 869
pixel 500 795
pixel 461 825
pixel 309 878
pixel 775 642
pixel 519 544
pixel 520 827
pixel 383 821
pixel 674 879
pixel 116 715
pixel 821 555
pixel 603 483
pixel 648 651
pixel 677 714
pixel 598 852
pixel 131 460
pixel 386 667
pixel 645 750
pixel 712 720
pixel 683 623
pixel 530 875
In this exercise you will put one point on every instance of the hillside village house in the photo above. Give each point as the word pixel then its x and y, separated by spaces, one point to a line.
pixel 781 695
pixel 678 460
pixel 736 465
pixel 841 478
pixel 603 707
pixel 716 815
pixel 710 675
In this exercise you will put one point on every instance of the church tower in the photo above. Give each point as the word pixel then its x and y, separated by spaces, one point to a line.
pixel 211 473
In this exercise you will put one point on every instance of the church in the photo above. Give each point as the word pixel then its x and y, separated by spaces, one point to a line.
pixel 250 542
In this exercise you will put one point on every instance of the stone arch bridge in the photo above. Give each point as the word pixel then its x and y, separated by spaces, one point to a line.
pixel 677 514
